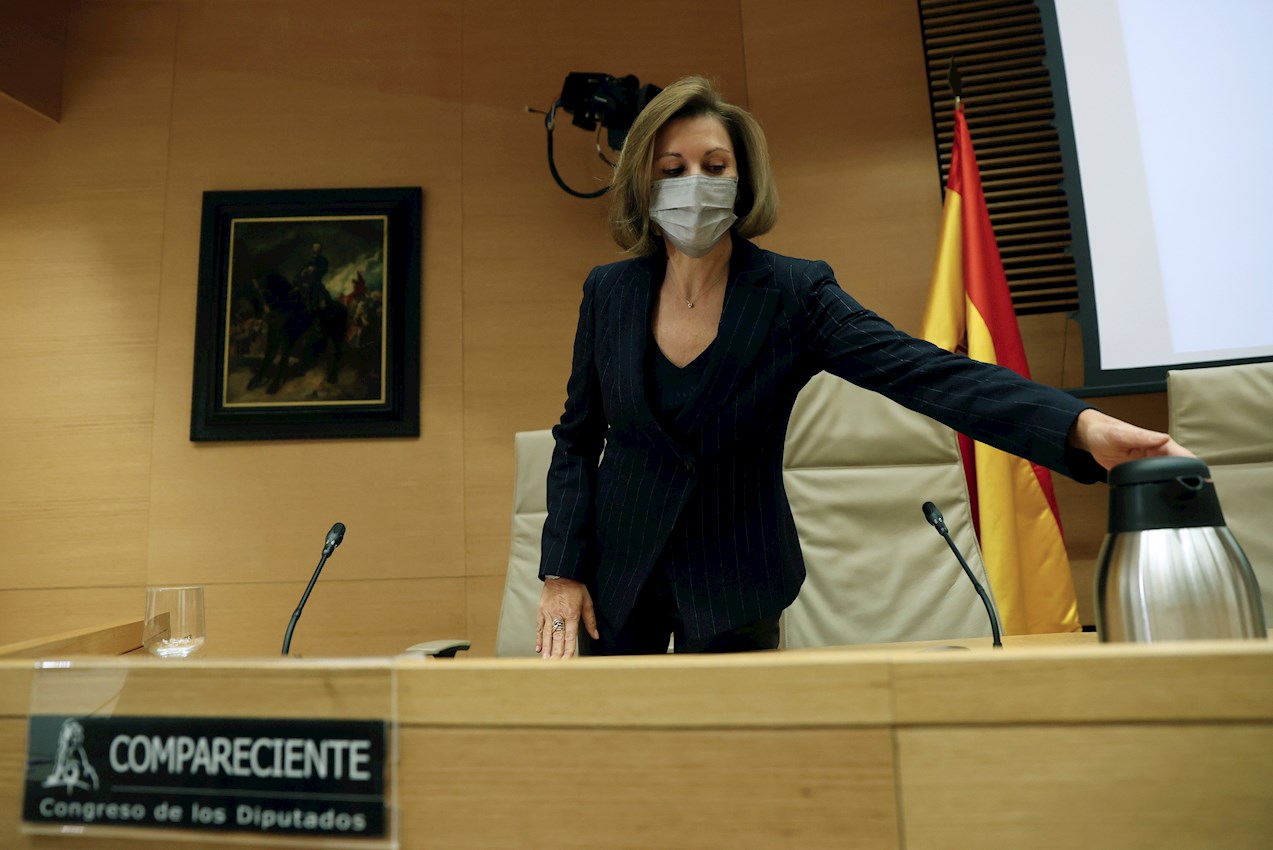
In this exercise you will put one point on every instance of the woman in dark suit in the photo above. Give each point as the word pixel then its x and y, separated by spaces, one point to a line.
pixel 687 361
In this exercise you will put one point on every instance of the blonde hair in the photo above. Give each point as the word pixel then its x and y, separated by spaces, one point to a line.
pixel 689 97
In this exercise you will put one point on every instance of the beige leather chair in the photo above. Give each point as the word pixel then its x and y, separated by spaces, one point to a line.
pixel 858 469
pixel 532 451
pixel 1225 416
pixel 515 635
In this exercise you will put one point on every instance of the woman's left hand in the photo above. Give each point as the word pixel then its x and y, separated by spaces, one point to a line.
pixel 564 607
pixel 1112 441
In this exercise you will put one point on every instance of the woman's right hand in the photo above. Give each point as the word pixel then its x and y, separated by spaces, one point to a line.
pixel 563 601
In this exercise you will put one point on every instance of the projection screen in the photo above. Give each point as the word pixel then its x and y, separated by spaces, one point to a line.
pixel 1163 109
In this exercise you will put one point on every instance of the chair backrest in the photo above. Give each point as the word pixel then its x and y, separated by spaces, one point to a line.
pixel 858 469
pixel 1224 415
pixel 533 450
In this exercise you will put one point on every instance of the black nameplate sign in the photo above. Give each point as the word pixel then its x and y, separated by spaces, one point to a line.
pixel 281 777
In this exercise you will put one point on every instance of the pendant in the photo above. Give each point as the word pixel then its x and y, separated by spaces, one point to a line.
pixel 689 304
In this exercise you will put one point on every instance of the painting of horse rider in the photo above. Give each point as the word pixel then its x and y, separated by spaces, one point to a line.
pixel 308 319
pixel 305 324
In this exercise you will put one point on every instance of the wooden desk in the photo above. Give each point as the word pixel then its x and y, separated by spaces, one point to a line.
pixel 1068 745
pixel 112 639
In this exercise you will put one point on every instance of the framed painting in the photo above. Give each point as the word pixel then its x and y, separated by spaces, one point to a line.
pixel 308 317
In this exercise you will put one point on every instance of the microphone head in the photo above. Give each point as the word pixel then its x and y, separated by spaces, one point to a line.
pixel 334 536
pixel 934 517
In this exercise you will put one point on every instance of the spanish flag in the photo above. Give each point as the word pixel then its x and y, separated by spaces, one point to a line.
pixel 1013 506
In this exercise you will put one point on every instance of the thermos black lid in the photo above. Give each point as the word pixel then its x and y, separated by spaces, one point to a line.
pixel 1153 469
pixel 1162 492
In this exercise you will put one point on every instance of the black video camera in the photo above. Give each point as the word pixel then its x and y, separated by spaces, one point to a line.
pixel 612 102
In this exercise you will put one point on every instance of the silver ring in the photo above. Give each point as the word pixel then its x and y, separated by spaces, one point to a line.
pixel 559 625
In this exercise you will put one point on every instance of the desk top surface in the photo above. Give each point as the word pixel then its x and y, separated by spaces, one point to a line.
pixel 1068 678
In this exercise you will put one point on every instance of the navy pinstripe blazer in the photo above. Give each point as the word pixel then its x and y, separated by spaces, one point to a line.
pixel 709 503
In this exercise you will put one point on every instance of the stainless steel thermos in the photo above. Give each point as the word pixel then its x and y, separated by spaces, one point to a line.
pixel 1169 568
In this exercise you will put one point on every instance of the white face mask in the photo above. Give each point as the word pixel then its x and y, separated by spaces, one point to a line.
pixel 694 211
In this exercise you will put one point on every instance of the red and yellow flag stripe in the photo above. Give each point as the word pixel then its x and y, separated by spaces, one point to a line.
pixel 970 309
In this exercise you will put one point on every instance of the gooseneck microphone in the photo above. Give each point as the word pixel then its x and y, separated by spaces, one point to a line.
pixel 334 537
pixel 937 521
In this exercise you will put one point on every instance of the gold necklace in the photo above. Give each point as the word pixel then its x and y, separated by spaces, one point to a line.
pixel 689 302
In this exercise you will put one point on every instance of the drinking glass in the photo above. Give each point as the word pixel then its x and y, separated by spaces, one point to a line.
pixel 174 625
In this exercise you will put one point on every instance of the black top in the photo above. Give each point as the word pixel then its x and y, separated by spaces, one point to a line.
pixel 670 386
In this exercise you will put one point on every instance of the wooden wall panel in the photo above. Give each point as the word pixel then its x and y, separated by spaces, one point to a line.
pixel 1045 337
pixel 81 229
pixel 310 95
pixel 33 53
pixel 841 91
pixel 344 616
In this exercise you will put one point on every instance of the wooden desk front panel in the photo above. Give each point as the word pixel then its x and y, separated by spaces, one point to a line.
pixel 576 789
pixel 1200 786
